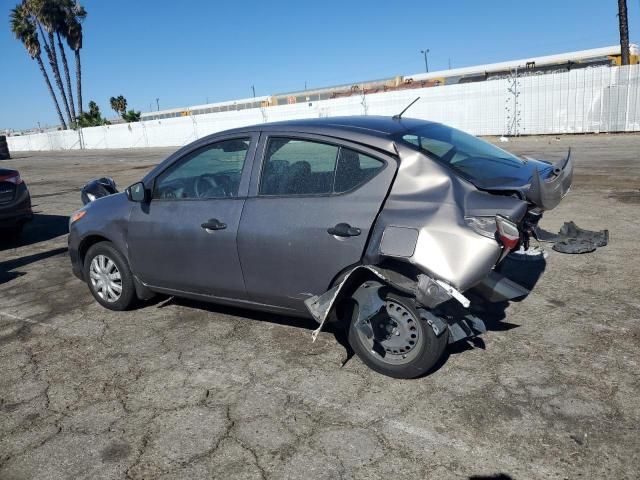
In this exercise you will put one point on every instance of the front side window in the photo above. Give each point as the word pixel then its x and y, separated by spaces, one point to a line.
pixel 470 156
pixel 211 172
pixel 302 167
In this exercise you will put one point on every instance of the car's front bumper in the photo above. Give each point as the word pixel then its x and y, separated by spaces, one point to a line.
pixel 74 253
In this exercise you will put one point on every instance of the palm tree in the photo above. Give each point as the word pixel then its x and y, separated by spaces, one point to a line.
pixel 118 104
pixel 113 101
pixel 61 30
pixel 624 32
pixel 47 17
pixel 75 14
pixel 25 31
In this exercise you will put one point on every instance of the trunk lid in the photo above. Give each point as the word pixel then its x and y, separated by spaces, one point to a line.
pixel 541 183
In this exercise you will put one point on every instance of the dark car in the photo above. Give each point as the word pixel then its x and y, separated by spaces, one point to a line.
pixel 15 202
pixel 376 222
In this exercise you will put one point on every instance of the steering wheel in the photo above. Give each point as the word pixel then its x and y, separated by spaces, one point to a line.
pixel 169 193
pixel 206 186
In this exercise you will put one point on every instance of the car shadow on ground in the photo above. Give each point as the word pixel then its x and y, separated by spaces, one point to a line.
pixel 338 331
pixel 6 268
pixel 277 318
pixel 524 272
pixel 497 476
pixel 43 227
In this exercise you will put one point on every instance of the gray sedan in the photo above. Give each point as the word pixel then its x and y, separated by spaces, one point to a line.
pixel 376 223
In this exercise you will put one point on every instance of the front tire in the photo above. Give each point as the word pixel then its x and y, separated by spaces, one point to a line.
pixel 109 278
pixel 403 344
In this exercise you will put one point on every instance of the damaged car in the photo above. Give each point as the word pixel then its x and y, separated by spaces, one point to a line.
pixel 372 222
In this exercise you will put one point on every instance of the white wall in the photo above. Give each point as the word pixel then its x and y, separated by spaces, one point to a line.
pixel 600 99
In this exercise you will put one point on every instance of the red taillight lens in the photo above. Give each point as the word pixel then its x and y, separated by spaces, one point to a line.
pixel 11 178
pixel 507 232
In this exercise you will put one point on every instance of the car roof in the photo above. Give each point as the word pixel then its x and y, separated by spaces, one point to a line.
pixel 375 131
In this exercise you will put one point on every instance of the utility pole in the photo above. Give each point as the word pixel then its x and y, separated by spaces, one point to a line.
pixel 426 60
pixel 253 89
pixel 624 31
pixel 158 103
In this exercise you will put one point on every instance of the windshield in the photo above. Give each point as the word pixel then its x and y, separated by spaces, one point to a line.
pixel 473 158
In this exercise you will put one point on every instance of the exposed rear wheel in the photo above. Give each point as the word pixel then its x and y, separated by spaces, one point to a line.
pixel 396 341
pixel 108 276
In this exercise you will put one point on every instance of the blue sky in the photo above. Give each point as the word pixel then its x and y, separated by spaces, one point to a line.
pixel 189 52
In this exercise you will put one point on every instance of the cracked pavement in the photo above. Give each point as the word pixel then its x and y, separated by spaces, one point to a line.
pixel 180 389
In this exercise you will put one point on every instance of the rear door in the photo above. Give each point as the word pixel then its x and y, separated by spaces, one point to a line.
pixel 184 239
pixel 312 203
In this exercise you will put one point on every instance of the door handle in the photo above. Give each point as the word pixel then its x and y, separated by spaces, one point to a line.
pixel 213 224
pixel 344 230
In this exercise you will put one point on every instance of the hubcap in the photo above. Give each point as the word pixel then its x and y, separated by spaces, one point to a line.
pixel 105 278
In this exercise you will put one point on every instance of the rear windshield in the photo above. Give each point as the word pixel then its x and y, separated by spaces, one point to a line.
pixel 472 158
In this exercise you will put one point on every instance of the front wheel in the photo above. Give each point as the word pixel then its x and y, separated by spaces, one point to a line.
pixel 109 278
pixel 396 341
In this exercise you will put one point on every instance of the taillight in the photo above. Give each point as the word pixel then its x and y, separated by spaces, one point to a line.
pixel 498 227
pixel 485 226
pixel 508 232
pixel 11 178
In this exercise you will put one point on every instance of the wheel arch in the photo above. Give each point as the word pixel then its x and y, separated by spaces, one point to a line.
pixel 88 242
pixel 142 291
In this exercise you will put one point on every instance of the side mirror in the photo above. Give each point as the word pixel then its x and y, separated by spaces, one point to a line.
pixel 137 193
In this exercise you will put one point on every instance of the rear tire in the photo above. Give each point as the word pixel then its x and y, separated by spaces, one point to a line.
pixel 410 360
pixel 109 278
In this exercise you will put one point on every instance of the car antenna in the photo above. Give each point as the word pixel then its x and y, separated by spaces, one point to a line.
pixel 399 116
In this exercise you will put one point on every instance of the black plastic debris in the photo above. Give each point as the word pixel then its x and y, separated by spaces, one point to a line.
pixel 573 239
pixel 573 245
pixel 97 188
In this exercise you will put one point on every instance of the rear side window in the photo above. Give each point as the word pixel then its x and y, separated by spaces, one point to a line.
pixel 302 167
pixel 354 169
pixel 298 167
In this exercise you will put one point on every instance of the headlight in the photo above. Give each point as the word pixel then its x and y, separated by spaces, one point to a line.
pixel 76 216
pixel 485 226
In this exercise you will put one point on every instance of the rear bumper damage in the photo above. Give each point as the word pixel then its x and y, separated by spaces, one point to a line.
pixel 429 293
pixel 422 225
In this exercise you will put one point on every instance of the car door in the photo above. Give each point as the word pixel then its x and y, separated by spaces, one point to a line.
pixel 308 216
pixel 184 238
